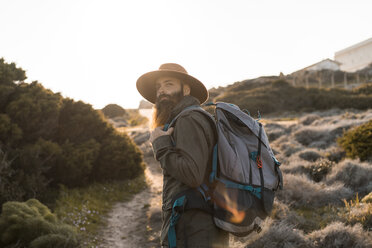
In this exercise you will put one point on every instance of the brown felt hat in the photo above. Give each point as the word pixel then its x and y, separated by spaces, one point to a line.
pixel 146 83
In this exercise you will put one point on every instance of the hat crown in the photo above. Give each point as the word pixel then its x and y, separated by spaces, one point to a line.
pixel 172 67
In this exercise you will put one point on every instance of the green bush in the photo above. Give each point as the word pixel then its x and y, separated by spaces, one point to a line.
pixel 49 140
pixel 79 122
pixel 357 142
pixel 31 224
pixel 9 132
pixel 35 110
pixel 9 188
pixel 118 159
pixel 74 163
pixel 10 73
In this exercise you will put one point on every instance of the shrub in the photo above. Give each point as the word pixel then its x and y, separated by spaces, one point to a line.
pixel 299 191
pixel 6 92
pixel 357 142
pixel 79 122
pixel 313 137
pixel 87 138
pixel 339 235
pixel 353 174
pixel 75 163
pixel 335 154
pixel 50 140
pixel 309 119
pixel 297 167
pixel 287 146
pixel 274 131
pixel 309 155
pixel 279 235
pixel 113 110
pixel 118 159
pixel 10 73
pixel 316 218
pixel 9 187
pixel 31 224
pixel 320 169
pixel 35 110
pixel 9 132
pixel 283 213
pixel 357 212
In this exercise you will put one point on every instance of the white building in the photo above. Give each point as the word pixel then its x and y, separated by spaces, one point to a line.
pixel 355 57
pixel 326 64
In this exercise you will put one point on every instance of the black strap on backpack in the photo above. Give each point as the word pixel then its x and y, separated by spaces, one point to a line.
pixel 259 162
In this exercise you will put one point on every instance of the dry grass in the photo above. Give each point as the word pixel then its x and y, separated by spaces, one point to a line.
pixel 300 191
pixel 338 234
pixel 277 234
pixel 319 206
pixel 353 174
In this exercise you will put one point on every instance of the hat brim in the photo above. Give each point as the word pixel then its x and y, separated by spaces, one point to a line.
pixel 147 88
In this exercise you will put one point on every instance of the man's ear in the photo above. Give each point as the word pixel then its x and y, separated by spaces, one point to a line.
pixel 186 90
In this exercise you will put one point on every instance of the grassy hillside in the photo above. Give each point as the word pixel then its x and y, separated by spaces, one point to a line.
pixel 326 197
pixel 279 96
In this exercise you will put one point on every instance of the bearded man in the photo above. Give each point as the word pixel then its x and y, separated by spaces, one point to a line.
pixel 184 152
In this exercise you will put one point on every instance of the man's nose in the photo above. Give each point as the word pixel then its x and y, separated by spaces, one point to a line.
pixel 160 90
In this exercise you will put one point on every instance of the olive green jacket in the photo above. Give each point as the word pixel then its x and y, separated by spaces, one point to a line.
pixel 185 157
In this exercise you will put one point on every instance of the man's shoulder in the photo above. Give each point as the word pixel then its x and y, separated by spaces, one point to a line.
pixel 198 118
pixel 197 114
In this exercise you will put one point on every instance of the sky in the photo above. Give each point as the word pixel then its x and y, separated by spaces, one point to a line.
pixel 95 51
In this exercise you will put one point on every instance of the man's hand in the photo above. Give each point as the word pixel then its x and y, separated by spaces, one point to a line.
pixel 157 132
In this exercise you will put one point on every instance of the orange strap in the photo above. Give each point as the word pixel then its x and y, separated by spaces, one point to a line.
pixel 259 162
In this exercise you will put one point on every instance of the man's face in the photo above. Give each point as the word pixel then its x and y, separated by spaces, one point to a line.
pixel 166 87
pixel 169 92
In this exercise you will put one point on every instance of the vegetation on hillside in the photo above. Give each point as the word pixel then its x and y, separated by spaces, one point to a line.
pixel 279 96
pixel 321 205
pixel 47 140
pixel 113 110
pixel 31 224
pixel 358 142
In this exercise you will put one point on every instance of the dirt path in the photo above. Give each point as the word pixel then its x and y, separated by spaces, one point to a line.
pixel 137 223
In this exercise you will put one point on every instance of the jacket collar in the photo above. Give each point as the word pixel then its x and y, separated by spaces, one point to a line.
pixel 184 103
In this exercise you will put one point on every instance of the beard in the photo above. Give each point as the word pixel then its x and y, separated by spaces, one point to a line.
pixel 163 107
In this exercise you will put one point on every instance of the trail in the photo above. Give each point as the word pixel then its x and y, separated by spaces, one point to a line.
pixel 137 223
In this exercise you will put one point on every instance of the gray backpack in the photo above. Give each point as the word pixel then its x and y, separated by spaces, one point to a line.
pixel 245 174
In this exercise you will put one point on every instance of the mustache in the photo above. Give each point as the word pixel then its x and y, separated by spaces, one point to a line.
pixel 164 95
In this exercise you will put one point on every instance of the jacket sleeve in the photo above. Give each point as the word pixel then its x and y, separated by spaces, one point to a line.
pixel 184 155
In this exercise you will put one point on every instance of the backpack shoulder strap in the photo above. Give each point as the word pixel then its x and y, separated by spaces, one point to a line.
pixel 185 110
